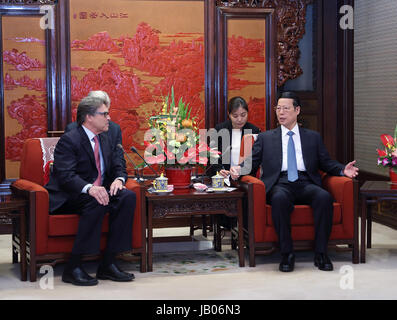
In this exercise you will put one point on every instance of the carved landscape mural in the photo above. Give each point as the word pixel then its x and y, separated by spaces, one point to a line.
pixel 25 93
pixel 136 50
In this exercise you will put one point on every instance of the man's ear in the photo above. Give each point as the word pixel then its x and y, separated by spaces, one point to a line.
pixel 298 110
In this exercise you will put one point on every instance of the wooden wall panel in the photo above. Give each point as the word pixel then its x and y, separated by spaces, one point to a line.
pixel 27 82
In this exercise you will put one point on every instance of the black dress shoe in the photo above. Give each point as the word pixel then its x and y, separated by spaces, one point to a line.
pixel 113 272
pixel 78 277
pixel 323 262
pixel 287 262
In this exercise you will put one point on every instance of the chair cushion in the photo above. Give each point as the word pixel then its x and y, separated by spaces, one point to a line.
pixel 67 225
pixel 303 215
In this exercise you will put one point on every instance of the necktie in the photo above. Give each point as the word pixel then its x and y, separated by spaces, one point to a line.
pixel 98 180
pixel 291 159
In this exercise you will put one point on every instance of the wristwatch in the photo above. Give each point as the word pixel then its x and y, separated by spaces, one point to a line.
pixel 88 189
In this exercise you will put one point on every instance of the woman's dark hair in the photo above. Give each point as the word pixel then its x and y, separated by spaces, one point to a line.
pixel 87 105
pixel 290 95
pixel 235 103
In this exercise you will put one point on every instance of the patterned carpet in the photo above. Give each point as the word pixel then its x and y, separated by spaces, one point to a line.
pixel 199 262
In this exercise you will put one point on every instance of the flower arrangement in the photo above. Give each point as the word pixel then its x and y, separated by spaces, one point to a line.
pixel 388 156
pixel 173 139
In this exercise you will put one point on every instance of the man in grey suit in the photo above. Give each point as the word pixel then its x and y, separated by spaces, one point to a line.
pixel 291 158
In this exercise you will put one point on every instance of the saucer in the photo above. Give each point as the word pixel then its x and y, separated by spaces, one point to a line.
pixel 169 190
pixel 225 189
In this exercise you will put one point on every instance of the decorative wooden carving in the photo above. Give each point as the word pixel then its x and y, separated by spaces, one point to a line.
pixel 291 19
pixel 178 208
pixel 37 2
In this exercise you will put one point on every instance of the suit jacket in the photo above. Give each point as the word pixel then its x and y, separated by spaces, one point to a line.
pixel 114 135
pixel 228 125
pixel 267 151
pixel 74 167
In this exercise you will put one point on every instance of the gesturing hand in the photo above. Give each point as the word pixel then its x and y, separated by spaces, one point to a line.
pixel 350 170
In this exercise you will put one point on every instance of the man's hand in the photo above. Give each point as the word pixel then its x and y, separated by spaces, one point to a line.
pixel 235 172
pixel 350 170
pixel 116 186
pixel 100 194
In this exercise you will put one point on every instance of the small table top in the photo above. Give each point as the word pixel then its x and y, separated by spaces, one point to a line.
pixel 10 201
pixel 191 192
pixel 378 187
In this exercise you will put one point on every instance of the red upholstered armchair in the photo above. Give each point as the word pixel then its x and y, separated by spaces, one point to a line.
pixel 262 237
pixel 50 237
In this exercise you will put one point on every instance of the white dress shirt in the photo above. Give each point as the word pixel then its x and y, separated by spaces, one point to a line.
pixel 236 144
pixel 298 148
pixel 91 136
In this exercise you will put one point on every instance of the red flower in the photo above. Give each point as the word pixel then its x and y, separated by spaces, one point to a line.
pixel 387 140
pixel 381 153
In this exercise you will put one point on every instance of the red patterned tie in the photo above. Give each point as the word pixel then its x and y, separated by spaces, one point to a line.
pixel 98 180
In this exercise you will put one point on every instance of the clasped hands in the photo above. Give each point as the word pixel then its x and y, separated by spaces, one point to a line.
pixel 102 195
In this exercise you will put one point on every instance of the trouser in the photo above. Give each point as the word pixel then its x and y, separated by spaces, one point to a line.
pixel 121 209
pixel 284 195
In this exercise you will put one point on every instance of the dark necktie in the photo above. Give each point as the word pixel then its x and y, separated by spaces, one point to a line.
pixel 291 159
pixel 98 180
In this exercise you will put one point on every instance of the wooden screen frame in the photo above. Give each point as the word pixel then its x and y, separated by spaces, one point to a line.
pixel 50 49
pixel 223 15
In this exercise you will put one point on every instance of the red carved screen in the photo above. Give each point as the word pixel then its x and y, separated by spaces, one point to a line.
pixel 246 69
pixel 25 93
pixel 135 51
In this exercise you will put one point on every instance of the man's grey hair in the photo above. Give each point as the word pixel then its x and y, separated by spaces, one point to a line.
pixel 101 95
pixel 87 106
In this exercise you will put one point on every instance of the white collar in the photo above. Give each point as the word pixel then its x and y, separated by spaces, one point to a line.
pixel 285 130
pixel 89 133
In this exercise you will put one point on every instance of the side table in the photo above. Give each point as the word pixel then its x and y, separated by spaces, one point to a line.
pixel 189 203
pixel 14 208
pixel 372 192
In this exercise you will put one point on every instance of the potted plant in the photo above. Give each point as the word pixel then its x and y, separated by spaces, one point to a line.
pixel 388 156
pixel 173 141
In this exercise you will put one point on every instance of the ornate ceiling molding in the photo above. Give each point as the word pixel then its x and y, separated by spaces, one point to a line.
pixel 291 20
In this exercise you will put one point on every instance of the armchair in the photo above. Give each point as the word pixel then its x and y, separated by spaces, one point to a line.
pixel 262 237
pixel 50 237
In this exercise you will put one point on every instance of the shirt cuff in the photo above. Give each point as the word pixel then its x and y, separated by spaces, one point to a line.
pixel 86 187
pixel 122 180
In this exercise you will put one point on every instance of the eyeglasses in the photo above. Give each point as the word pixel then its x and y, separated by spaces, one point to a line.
pixel 284 108
pixel 105 114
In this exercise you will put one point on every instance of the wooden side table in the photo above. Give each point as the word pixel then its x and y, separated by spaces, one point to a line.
pixel 372 192
pixel 14 208
pixel 189 203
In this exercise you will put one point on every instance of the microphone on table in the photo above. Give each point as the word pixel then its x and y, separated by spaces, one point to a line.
pixel 130 160
pixel 136 151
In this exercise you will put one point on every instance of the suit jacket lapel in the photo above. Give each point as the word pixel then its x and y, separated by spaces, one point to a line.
pixel 105 149
pixel 87 145
pixel 277 147
pixel 304 146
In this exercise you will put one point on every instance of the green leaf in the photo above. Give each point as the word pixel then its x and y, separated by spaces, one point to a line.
pixel 395 133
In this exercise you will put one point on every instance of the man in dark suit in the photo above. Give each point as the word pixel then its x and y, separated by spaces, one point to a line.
pixel 114 132
pixel 291 158
pixel 88 178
